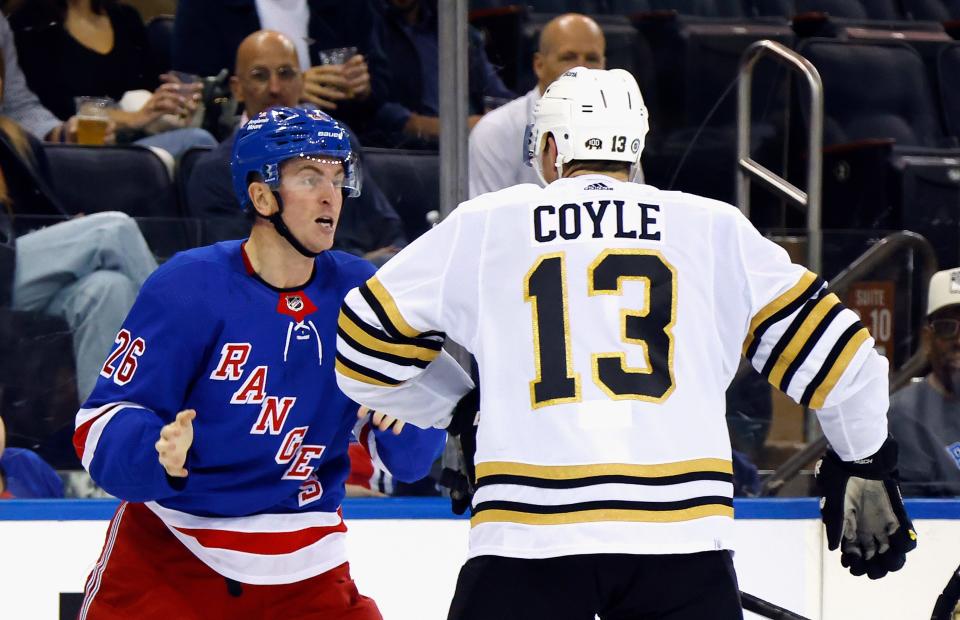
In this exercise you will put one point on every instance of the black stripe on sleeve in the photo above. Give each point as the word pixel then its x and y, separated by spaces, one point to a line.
pixel 811 342
pixel 373 332
pixel 829 362
pixel 367 372
pixel 789 333
pixel 783 313
pixel 382 355
pixel 385 320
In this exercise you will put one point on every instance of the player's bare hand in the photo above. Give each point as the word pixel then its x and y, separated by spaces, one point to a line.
pixel 381 421
pixel 175 440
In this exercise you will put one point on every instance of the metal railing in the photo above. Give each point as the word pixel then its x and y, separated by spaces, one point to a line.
pixel 747 168
pixel 858 269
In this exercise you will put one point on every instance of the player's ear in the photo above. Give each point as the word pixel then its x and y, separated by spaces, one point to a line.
pixel 262 198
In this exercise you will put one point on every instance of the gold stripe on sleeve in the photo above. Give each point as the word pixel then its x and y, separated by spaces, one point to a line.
pixel 836 371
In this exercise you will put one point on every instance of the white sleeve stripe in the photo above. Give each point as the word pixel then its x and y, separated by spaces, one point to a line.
pixel 85 415
pixel 93 436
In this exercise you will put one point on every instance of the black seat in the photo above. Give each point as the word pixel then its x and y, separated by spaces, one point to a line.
pixel 932 10
pixel 697 64
pixel 701 8
pixel 770 8
pixel 853 9
pixel 627 7
pixel 131 179
pixel 897 103
pixel 888 161
pixel 182 176
pixel 948 78
pixel 410 179
pixel 160 37
pixel 38 414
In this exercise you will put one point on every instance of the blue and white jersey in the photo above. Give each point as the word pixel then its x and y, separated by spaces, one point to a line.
pixel 269 456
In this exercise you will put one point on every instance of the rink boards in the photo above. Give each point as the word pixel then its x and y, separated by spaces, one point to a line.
pixel 406 553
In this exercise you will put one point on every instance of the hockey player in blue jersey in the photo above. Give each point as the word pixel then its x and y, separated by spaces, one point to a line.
pixel 217 416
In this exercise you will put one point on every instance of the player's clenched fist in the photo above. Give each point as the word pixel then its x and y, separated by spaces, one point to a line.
pixel 175 439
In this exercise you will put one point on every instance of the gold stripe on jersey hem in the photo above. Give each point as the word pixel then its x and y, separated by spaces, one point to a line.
pixel 778 304
pixel 356 376
pixel 568 472
pixel 407 351
pixel 800 337
pixel 605 514
pixel 390 307
pixel 836 371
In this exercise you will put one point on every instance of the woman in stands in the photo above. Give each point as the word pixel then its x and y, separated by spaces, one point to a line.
pixel 100 48
pixel 86 270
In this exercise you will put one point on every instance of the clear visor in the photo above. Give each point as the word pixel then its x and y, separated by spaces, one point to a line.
pixel 342 173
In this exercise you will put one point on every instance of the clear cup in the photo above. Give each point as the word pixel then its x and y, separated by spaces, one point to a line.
pixel 336 55
pixel 93 118
pixel 188 86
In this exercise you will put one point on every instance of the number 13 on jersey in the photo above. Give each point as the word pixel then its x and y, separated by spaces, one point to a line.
pixel 648 327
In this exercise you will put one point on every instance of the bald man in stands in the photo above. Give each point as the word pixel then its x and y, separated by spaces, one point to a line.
pixel 496 142
pixel 267 75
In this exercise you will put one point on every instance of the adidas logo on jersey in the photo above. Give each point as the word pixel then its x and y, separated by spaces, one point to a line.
pixel 597 186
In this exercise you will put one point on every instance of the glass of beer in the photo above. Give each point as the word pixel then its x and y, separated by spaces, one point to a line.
pixel 92 119
pixel 338 56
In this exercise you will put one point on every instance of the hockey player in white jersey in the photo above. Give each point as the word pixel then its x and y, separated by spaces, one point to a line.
pixel 608 318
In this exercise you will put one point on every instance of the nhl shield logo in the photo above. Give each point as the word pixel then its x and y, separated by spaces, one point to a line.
pixel 295 303
pixel 594 144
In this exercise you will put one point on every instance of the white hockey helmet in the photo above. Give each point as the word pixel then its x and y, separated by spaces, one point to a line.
pixel 593 114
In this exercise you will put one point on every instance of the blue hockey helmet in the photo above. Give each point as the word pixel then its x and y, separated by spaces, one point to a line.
pixel 281 133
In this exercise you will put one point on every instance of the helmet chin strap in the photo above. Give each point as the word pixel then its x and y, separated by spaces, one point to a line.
pixel 281 227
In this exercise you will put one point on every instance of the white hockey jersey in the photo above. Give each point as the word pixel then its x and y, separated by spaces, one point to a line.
pixel 607 319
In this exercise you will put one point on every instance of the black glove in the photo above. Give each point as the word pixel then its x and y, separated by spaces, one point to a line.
pixel 863 511
pixel 460 476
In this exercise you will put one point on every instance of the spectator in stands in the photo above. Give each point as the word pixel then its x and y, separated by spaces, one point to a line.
pixel 267 76
pixel 24 475
pixel 411 40
pixel 21 105
pixel 496 143
pixel 207 34
pixel 86 270
pixel 100 48
pixel 925 416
